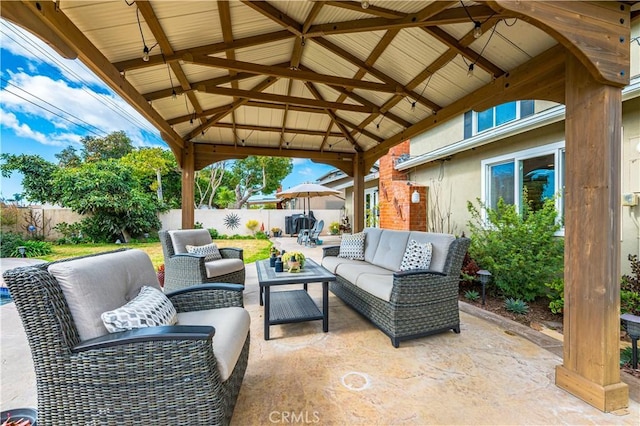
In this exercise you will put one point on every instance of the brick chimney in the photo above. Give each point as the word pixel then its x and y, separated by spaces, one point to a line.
pixel 396 209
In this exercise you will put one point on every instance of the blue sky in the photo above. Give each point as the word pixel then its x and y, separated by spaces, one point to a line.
pixel 48 103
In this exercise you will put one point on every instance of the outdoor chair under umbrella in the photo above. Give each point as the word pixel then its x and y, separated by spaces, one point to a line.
pixel 307 190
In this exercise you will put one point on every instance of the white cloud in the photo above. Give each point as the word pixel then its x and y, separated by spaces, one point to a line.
pixel 306 171
pixel 23 130
pixel 22 43
pixel 92 113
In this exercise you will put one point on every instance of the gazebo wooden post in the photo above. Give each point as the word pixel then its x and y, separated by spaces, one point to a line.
pixel 188 181
pixel 359 173
pixel 590 368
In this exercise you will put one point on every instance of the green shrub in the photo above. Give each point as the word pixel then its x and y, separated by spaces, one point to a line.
pixel 252 225
pixel 34 248
pixel 626 356
pixel 71 233
pixel 472 295
pixel 9 243
pixel 519 249
pixel 214 233
pixel 556 294
pixel 630 288
pixel 517 306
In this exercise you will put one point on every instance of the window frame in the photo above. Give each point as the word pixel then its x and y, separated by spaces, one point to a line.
pixel 556 148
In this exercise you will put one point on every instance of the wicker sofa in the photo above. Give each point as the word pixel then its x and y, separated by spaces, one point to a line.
pixel 190 372
pixel 403 304
pixel 183 269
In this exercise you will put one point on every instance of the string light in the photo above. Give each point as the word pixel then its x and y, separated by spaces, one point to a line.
pixel 477 29
pixel 470 71
pixel 365 4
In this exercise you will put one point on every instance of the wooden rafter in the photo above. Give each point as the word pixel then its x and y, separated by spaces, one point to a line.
pixel 309 132
pixel 161 37
pixel 413 20
pixel 209 49
pixel 259 69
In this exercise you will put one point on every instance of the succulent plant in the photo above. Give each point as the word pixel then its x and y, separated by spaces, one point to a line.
pixel 517 306
pixel 472 295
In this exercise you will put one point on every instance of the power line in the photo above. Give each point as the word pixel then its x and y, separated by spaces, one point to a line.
pixel 51 112
pixel 107 101
pixel 50 104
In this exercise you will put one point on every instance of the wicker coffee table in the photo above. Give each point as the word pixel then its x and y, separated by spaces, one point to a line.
pixel 282 307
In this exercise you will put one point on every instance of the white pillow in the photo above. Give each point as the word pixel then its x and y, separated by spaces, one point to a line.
pixel 150 308
pixel 416 256
pixel 210 251
pixel 352 246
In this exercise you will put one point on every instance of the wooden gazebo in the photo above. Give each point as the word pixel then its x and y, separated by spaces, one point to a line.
pixel 340 82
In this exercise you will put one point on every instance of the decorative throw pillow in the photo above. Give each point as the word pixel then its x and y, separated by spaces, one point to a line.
pixel 416 256
pixel 352 246
pixel 150 308
pixel 210 251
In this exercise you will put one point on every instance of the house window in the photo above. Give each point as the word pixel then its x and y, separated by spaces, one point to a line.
pixel 539 170
pixel 478 122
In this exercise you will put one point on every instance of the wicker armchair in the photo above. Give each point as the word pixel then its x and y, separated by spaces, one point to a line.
pixel 183 269
pixel 155 375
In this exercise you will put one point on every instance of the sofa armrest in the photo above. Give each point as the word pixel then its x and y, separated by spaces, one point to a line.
pixel 146 334
pixel 413 272
pixel 423 286
pixel 232 253
pixel 330 251
pixel 207 296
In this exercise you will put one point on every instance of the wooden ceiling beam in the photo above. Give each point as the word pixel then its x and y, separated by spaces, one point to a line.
pixel 356 6
pixel 413 20
pixel 401 121
pixel 203 149
pixel 235 105
pixel 332 114
pixel 253 94
pixel 276 129
pixel 511 85
pixel 209 49
pixel 276 15
pixel 198 85
pixel 291 73
pixel 161 38
pixel 372 70
pixel 584 28
pixel 467 52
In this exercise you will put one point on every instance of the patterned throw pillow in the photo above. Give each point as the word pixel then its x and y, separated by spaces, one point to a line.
pixel 210 251
pixel 416 256
pixel 150 308
pixel 352 246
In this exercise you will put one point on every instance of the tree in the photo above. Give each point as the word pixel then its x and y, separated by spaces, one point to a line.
pixel 115 145
pixel 148 164
pixel 258 174
pixel 36 172
pixel 68 157
pixel 207 182
pixel 108 191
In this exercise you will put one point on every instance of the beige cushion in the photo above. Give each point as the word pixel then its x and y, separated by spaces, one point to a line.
pixel 232 327
pixel 391 249
pixel 352 272
pixel 379 285
pixel 195 237
pixel 150 308
pixel 440 247
pixel 96 284
pixel 331 263
pixel 371 243
pixel 215 268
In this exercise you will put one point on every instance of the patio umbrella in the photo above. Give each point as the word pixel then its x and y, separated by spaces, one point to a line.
pixel 307 190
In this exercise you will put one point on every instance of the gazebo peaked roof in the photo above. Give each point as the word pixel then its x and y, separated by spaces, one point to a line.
pixel 324 80
pixel 341 82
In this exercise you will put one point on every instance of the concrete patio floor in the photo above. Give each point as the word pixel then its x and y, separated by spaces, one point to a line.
pixel 495 372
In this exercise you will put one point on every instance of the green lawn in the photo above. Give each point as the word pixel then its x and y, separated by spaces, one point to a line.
pixel 253 249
